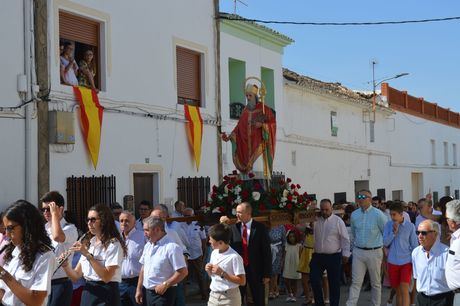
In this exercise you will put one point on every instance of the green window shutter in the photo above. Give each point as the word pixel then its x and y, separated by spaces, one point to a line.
pixel 268 77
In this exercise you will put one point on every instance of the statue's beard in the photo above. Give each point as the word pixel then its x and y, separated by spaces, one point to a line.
pixel 251 104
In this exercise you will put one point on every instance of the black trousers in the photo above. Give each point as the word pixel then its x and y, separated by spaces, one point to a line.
pixel 100 294
pixel 167 299
pixel 443 299
pixel 332 263
pixel 256 286
pixel 61 292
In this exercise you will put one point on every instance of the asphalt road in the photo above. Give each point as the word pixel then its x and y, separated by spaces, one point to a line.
pixel 364 299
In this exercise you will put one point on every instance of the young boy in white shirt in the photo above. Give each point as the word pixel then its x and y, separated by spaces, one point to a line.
pixel 225 268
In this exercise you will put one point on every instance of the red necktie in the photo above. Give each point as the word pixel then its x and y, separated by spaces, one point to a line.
pixel 245 245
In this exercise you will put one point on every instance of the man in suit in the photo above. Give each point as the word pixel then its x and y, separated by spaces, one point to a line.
pixel 250 239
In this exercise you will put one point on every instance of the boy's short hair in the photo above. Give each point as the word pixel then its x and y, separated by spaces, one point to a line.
pixel 53 196
pixel 397 206
pixel 220 232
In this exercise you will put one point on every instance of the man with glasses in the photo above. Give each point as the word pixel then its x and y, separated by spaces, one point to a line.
pixel 63 235
pixel 130 268
pixel 145 208
pixel 453 259
pixel 428 264
pixel 367 225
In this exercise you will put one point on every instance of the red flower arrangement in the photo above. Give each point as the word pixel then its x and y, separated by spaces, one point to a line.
pixel 283 195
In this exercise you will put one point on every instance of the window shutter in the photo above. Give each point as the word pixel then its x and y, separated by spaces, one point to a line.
pixel 188 74
pixel 79 29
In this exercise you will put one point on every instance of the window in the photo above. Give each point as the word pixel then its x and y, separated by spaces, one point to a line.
pixel 193 190
pixel 397 195
pixel 80 36
pixel 435 197
pixel 236 77
pixel 334 127
pixel 446 154
pixel 433 152
pixel 371 131
pixel 447 191
pixel 457 194
pixel 381 193
pixel 340 198
pixel 268 78
pixel 454 154
pixel 188 64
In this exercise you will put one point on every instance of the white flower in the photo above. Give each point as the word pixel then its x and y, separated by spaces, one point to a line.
pixel 285 193
pixel 226 189
pixel 206 209
pixel 234 211
pixel 237 190
pixel 220 197
pixel 237 200
pixel 256 195
pixel 294 199
pixel 283 200
pixel 216 210
pixel 209 197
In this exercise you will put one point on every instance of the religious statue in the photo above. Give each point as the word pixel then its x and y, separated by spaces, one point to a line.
pixel 255 133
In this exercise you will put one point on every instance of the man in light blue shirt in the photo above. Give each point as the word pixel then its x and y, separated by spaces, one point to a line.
pixel 429 261
pixel 399 237
pixel 367 224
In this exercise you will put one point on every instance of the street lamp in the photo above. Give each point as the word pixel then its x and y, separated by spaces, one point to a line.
pixel 374 84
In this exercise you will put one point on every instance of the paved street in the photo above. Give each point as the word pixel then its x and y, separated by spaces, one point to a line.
pixel 365 299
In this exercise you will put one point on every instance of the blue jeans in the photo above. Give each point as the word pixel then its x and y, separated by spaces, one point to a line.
pixel 332 263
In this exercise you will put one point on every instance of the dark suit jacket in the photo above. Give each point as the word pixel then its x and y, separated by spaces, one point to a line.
pixel 260 256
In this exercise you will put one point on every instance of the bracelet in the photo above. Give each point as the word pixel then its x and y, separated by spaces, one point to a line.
pixel 89 256
pixel 222 275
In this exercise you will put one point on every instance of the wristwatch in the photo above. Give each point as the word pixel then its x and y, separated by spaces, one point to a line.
pixel 89 256
pixel 166 284
pixel 2 274
pixel 222 275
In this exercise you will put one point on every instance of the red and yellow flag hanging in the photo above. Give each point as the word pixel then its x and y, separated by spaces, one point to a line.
pixel 194 129
pixel 91 120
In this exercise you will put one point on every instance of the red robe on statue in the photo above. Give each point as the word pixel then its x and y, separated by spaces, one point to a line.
pixel 249 134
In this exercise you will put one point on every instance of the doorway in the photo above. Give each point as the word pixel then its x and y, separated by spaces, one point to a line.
pixel 360 185
pixel 417 186
pixel 146 187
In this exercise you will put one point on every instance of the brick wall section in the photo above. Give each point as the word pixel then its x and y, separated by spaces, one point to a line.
pixel 402 102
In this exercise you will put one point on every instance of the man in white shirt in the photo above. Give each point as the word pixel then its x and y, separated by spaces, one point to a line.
pixel 144 209
pixel 163 266
pixel 179 207
pixel 197 238
pixel 63 235
pixel 428 266
pixel 135 242
pixel 332 247
pixel 453 259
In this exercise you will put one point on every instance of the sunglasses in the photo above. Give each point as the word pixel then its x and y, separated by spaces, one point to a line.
pixel 10 228
pixel 362 196
pixel 424 233
pixel 91 220
pixel 45 209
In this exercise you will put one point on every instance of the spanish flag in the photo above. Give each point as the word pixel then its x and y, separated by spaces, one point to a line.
pixel 194 129
pixel 91 120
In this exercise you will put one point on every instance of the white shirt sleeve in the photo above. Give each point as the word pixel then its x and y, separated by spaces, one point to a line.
pixel 71 233
pixel 238 267
pixel 43 272
pixel 114 254
pixel 176 257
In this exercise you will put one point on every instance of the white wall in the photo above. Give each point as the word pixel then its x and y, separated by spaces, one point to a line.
pixel 11 130
pixel 140 58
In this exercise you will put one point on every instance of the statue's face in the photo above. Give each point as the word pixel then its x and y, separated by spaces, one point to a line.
pixel 251 97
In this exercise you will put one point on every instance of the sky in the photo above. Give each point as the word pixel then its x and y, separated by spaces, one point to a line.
pixel 429 52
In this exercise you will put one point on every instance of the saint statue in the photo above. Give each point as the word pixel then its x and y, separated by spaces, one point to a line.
pixel 254 135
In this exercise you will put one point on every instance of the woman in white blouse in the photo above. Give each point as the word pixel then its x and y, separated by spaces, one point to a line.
pixel 100 264
pixel 29 260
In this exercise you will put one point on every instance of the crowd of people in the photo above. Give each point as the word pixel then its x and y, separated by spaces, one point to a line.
pixel 122 260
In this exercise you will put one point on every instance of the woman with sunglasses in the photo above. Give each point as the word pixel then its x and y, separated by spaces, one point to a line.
pixel 29 259
pixel 100 263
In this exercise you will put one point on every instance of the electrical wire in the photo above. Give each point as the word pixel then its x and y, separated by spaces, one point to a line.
pixel 238 18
